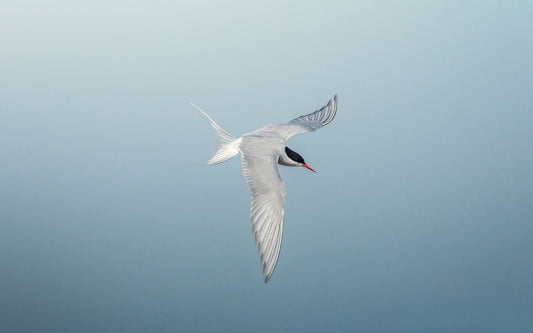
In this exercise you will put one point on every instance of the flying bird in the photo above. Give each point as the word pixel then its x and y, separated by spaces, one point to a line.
pixel 261 151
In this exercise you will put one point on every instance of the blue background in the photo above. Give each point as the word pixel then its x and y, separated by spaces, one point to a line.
pixel 419 219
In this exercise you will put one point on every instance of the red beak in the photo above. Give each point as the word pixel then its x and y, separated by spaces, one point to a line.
pixel 308 167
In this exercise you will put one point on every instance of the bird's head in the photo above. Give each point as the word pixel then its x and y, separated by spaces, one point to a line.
pixel 297 159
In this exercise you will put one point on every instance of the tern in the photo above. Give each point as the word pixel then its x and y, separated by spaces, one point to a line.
pixel 261 151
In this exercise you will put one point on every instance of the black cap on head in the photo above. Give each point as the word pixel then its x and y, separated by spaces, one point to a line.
pixel 294 155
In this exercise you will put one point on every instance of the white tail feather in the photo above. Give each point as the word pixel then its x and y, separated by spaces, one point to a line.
pixel 228 145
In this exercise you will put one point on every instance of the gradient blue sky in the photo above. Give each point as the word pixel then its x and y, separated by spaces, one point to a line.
pixel 420 218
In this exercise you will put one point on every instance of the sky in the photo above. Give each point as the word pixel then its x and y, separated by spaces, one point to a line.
pixel 419 217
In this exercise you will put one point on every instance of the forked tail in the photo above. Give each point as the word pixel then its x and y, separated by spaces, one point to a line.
pixel 228 145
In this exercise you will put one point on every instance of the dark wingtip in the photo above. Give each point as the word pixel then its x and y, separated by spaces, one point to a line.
pixel 333 105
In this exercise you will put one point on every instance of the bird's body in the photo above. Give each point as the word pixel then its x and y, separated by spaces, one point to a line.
pixel 261 151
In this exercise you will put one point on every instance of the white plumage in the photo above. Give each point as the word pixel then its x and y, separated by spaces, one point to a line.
pixel 261 151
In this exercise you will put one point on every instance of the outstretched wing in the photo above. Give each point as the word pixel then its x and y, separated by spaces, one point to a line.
pixel 309 122
pixel 318 118
pixel 268 202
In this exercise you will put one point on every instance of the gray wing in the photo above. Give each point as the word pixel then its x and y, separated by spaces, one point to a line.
pixel 309 122
pixel 268 204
